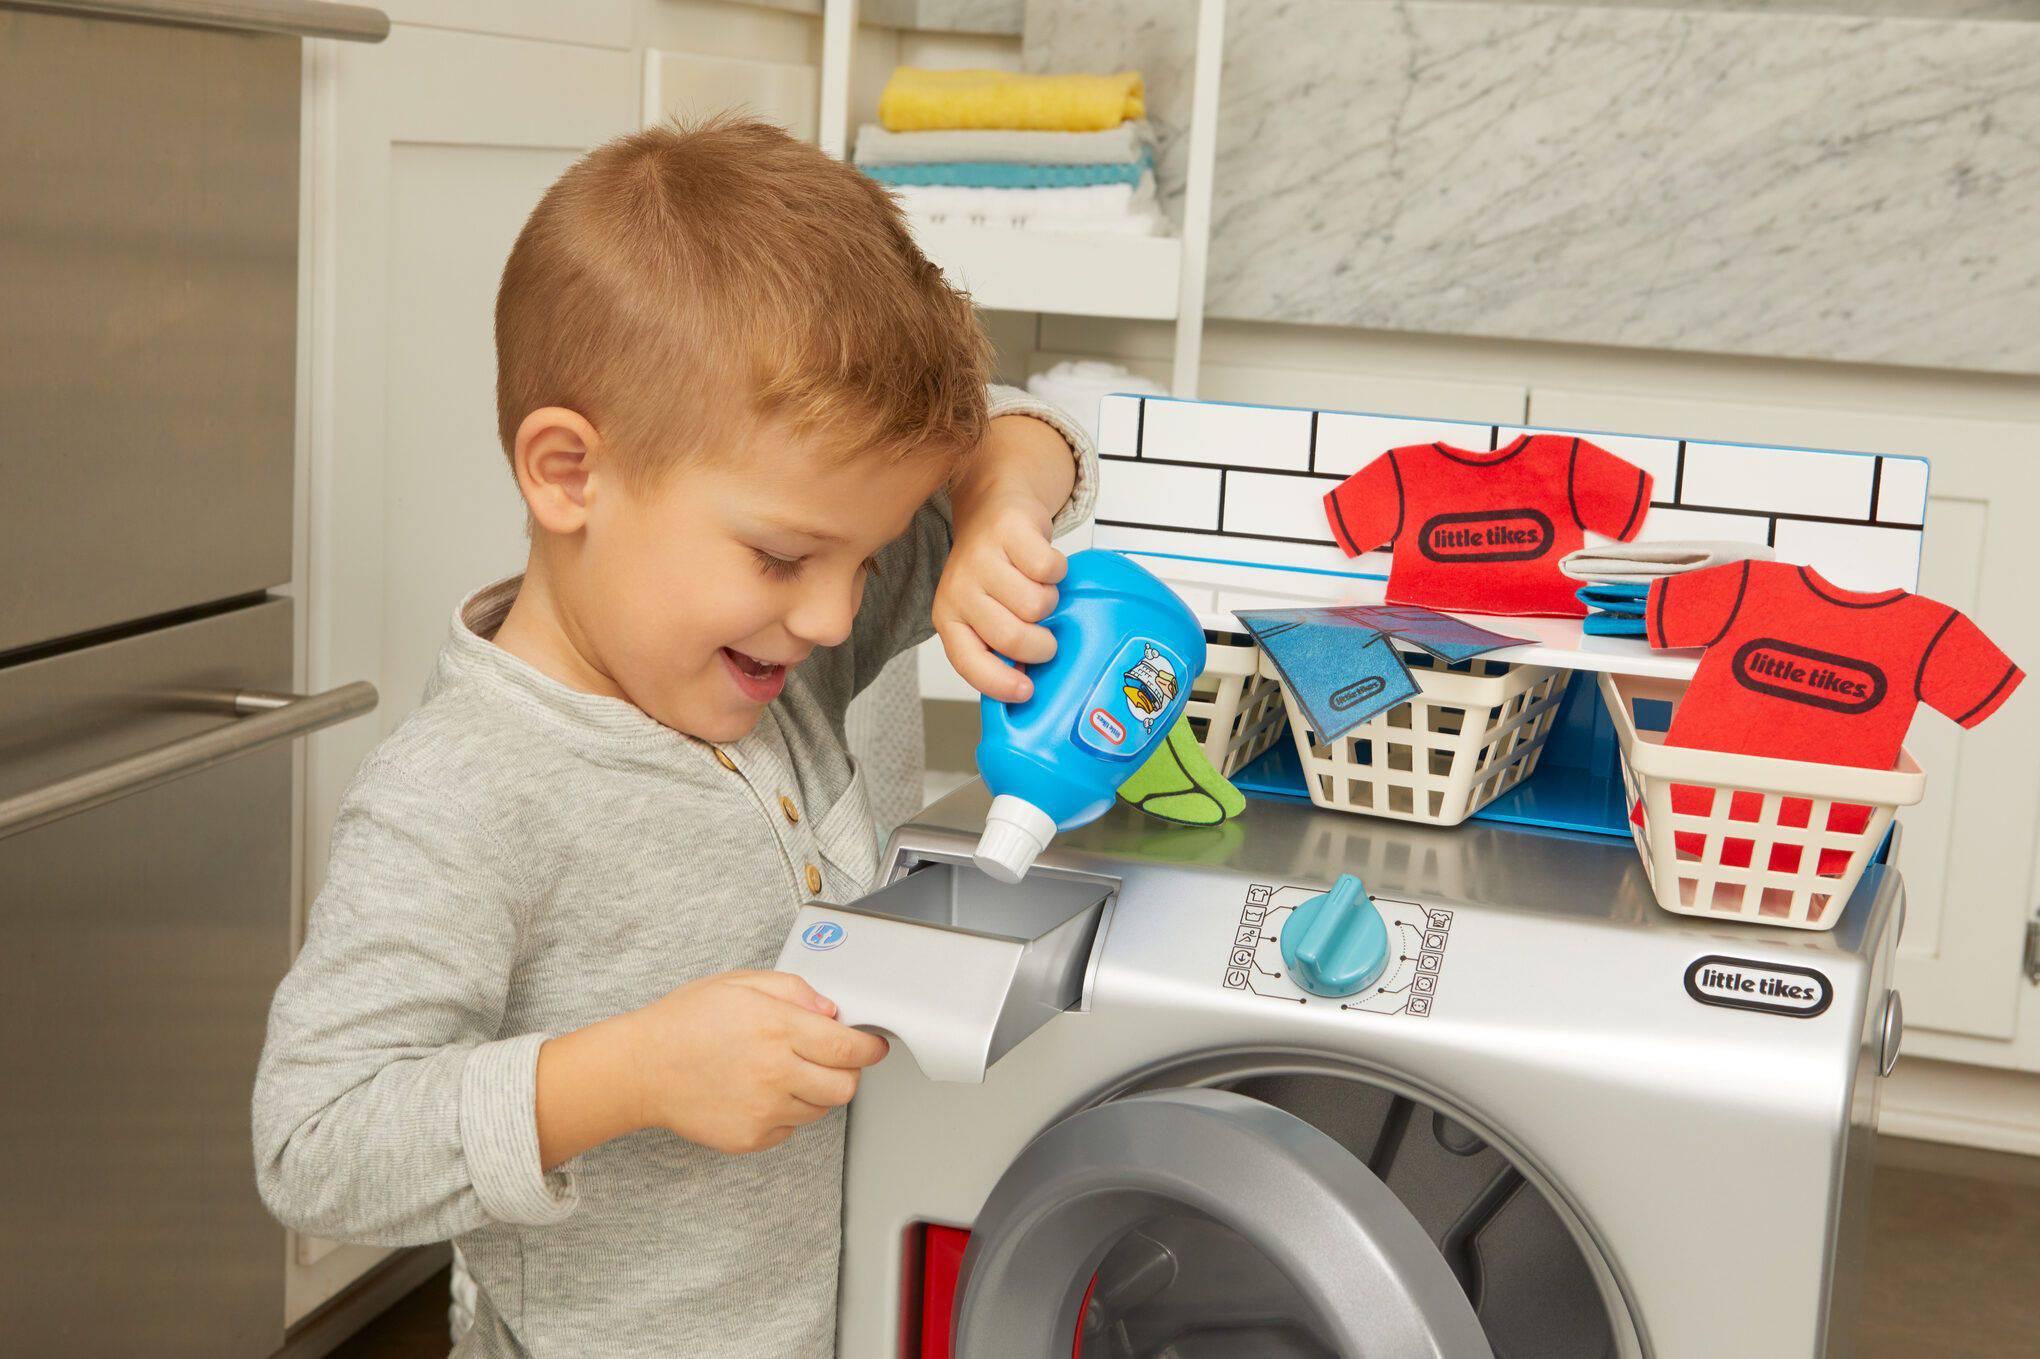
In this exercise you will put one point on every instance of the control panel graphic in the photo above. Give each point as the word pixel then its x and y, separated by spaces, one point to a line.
pixel 1417 938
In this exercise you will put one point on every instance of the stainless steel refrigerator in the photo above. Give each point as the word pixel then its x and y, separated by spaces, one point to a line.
pixel 148 331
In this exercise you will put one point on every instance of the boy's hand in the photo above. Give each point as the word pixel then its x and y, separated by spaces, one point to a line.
pixel 738 1061
pixel 1002 572
pixel 735 1062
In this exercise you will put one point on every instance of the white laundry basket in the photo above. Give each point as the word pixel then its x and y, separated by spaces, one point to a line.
pixel 1234 709
pixel 1695 879
pixel 1474 733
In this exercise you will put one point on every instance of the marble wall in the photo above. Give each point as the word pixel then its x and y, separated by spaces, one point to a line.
pixel 1744 178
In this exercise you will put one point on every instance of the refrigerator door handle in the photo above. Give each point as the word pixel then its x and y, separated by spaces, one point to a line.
pixel 296 18
pixel 266 719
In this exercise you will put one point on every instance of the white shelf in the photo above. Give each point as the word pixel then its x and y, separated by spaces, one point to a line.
pixel 1213 591
pixel 1071 272
pixel 1149 278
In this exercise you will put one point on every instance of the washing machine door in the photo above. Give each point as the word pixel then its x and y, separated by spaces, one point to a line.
pixel 1299 1251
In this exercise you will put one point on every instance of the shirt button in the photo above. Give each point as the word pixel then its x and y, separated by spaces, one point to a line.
pixel 726 762
pixel 792 812
pixel 814 880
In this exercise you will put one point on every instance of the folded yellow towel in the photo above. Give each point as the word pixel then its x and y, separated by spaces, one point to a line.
pixel 922 101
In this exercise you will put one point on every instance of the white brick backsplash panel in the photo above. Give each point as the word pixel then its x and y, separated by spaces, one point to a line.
pixel 1282 507
pixel 1902 491
pixel 1667 523
pixel 1659 457
pixel 1235 436
pixel 1853 556
pixel 1781 480
pixel 1160 500
pixel 1205 547
pixel 1119 426
pixel 1144 493
pixel 1347 443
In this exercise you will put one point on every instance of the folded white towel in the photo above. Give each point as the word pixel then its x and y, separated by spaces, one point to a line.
pixel 1089 202
pixel 877 146
pixel 1140 224
pixel 1122 209
pixel 1079 385
pixel 1647 561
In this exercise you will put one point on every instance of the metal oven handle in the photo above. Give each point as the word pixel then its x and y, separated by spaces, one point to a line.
pixel 266 719
pixel 298 18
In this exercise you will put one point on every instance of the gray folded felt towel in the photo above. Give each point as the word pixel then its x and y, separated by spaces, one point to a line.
pixel 1648 561
pixel 877 146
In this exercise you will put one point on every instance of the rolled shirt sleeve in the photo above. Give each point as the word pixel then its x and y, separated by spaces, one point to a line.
pixel 499 1134
pixel 1084 494
pixel 388 1106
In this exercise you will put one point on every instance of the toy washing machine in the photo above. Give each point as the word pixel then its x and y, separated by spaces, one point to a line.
pixel 1559 1122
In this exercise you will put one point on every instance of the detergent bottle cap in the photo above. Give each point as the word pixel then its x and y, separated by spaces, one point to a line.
pixel 1015 831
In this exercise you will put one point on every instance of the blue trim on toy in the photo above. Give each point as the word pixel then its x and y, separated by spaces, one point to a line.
pixel 1235 561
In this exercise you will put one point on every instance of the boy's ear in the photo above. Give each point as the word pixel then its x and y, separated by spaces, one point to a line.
pixel 557 451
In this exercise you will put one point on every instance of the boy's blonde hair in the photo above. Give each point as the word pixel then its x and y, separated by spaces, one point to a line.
pixel 680 285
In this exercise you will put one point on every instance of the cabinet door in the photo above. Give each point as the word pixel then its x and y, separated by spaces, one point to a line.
pixel 1967 850
pixel 426 155
pixel 436 146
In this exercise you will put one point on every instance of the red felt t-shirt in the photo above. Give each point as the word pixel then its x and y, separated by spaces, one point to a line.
pixel 1800 669
pixel 1483 532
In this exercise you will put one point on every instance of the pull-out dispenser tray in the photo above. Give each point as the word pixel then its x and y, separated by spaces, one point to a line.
pixel 954 965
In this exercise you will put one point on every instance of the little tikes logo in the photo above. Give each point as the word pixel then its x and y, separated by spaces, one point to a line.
pixel 822 936
pixel 1486 536
pixel 1745 984
pixel 1359 691
pixel 1800 674
pixel 1108 726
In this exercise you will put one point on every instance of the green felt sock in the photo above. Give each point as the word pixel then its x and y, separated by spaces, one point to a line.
pixel 1178 784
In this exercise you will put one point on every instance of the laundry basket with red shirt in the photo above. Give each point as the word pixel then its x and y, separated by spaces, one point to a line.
pixel 1800 669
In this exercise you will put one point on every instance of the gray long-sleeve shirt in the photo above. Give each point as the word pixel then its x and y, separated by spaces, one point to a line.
pixel 517 860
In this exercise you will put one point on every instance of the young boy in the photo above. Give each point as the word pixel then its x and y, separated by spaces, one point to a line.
pixel 528 1014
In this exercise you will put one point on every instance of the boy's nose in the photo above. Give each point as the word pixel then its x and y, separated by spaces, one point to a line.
pixel 825 613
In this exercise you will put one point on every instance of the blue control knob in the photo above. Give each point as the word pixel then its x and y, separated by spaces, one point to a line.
pixel 1336 944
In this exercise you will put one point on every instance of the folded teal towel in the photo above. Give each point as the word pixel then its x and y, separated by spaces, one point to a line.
pixel 999 174
pixel 1613 625
pixel 1614 609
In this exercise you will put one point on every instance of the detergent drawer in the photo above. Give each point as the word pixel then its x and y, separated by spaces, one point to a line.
pixel 956 966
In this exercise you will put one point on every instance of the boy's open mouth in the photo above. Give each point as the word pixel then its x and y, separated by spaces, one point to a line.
pixel 759 680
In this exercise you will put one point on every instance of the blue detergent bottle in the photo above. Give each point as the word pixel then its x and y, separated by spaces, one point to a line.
pixel 1126 652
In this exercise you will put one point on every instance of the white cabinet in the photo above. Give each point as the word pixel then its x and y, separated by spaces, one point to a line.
pixel 436 146
pixel 424 155
pixel 1968 850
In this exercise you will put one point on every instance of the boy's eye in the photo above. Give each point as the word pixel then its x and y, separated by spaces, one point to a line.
pixel 777 567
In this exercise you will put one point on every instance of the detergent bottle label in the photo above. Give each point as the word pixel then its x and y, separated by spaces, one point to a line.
pixel 1131 699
